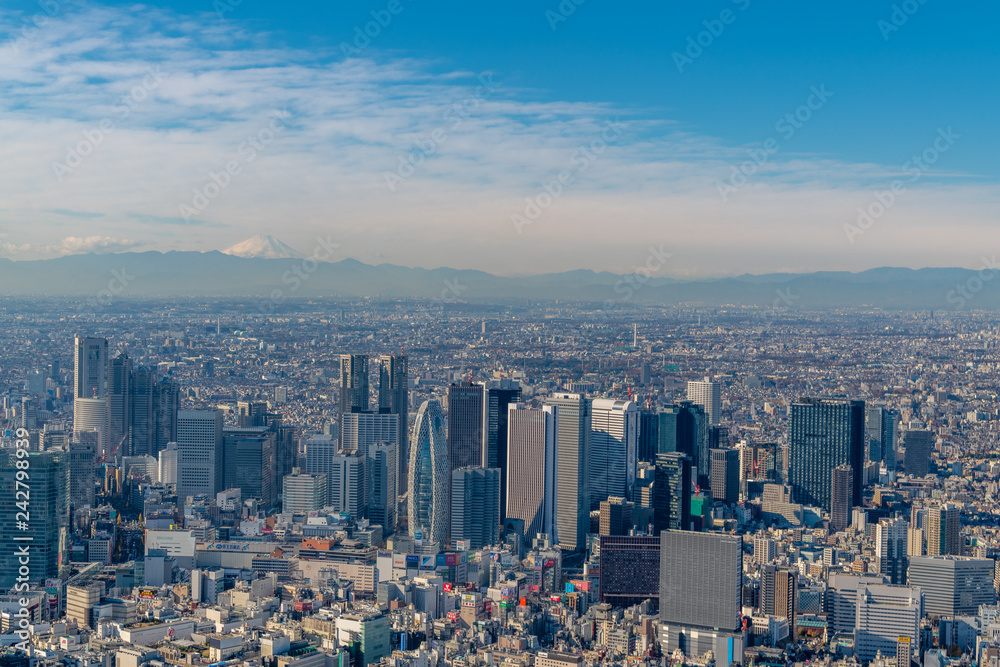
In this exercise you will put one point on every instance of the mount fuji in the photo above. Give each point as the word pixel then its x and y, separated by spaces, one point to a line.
pixel 262 246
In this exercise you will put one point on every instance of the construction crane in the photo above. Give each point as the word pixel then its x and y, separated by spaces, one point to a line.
pixel 114 450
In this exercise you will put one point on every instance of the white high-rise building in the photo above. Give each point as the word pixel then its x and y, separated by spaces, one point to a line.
pixel 168 464
pixel 320 452
pixel 361 430
pixel 199 452
pixel 708 395
pixel 90 390
pixel 531 467
pixel 884 615
pixel 614 437
pixel 346 484
pixel 891 538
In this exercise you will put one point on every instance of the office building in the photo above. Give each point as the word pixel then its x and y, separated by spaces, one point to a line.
pixel 346 483
pixel 573 422
pixel 778 592
pixel 251 414
pixel 168 464
pixel 825 434
pixel 649 435
pixel 616 517
pixel 82 474
pixel 320 453
pixel 119 401
pixel 48 525
pixel 465 425
pixel 708 395
pixel 891 552
pixel 841 490
pixel 303 492
pixel 361 430
pixel 249 464
pixel 531 467
pixel 475 507
pixel 498 395
pixel 353 383
pixel 630 569
pixel 672 492
pixel 394 399
pixel 764 550
pixel 952 585
pixel 944 531
pixel 842 599
pixel 725 475
pixel 91 368
pixel 701 585
pixel 684 428
pixel 428 475
pixel 885 615
pixel 614 433
pixel 382 470
pixel 199 453
pixel 883 428
pixel 917 458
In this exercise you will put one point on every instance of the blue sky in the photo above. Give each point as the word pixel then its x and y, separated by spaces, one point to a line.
pixel 895 78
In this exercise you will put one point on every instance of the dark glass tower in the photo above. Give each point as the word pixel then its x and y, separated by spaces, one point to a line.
pixel 465 425
pixel 499 394
pixel 684 428
pixel 825 434
pixel 672 492
pixel 353 383
pixel 394 399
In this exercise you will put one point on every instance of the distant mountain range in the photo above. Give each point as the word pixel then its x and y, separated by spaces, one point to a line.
pixel 263 246
pixel 155 274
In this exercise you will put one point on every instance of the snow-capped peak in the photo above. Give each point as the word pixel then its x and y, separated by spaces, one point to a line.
pixel 262 246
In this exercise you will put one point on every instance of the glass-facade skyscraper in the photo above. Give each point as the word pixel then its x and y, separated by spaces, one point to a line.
pixel 825 434
pixel 428 475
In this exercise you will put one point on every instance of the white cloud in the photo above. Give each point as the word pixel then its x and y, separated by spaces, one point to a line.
pixel 74 245
pixel 85 76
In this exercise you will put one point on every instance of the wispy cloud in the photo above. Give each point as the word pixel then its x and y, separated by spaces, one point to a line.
pixel 349 120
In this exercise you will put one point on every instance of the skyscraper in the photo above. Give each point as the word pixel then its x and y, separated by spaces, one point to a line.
pixel 725 468
pixel 778 592
pixel 142 412
pixel 91 368
pixel 886 617
pixel 917 459
pixel 944 531
pixel 531 467
pixel 475 506
pixel 672 492
pixel 499 394
pixel 825 434
pixel 701 587
pixel 708 395
pixel 649 435
pixel 381 480
pixel 891 540
pixel 353 383
pixel 48 521
pixel 684 428
pixel 572 474
pixel 465 425
pixel 249 463
pixel 199 453
pixel 303 492
pixel 346 484
pixel 614 433
pixel 361 430
pixel 428 475
pixel 82 469
pixel 394 399
pixel 882 425
pixel 120 401
pixel 251 414
pixel 953 585
pixel 841 485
